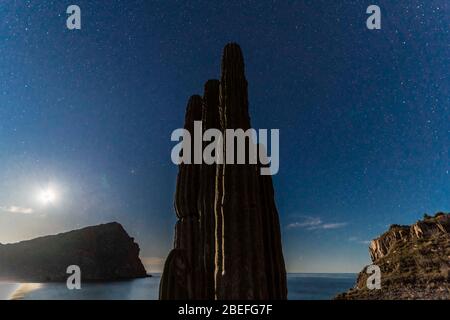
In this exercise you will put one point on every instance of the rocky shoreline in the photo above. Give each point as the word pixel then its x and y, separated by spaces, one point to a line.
pixel 414 262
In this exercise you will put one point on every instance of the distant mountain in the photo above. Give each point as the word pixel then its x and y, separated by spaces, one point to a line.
pixel 414 262
pixel 103 252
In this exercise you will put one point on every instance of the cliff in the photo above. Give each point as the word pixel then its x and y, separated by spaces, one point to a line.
pixel 103 252
pixel 414 262
pixel 227 238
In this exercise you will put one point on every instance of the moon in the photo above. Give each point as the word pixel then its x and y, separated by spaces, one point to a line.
pixel 47 196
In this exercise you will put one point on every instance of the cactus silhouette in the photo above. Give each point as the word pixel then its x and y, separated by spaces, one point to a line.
pixel 227 239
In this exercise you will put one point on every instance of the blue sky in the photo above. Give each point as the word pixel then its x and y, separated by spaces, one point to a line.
pixel 363 115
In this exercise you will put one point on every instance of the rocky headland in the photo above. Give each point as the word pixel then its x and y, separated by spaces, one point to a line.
pixel 104 253
pixel 414 262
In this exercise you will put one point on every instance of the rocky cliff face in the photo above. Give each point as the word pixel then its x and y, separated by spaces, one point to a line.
pixel 103 252
pixel 414 262
pixel 227 238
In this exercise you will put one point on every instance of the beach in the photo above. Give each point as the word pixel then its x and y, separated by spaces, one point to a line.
pixel 7 290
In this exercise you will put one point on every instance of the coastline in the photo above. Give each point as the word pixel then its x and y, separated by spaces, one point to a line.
pixel 7 290
pixel 302 286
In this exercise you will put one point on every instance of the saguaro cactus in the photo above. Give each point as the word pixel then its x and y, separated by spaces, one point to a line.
pixel 187 243
pixel 227 238
pixel 249 234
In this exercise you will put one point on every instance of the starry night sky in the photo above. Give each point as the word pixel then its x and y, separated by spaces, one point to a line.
pixel 363 115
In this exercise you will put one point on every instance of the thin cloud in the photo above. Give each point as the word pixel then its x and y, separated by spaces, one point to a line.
pixel 307 223
pixel 336 225
pixel 17 210
pixel 315 223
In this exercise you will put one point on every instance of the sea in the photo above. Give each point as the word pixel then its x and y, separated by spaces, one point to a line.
pixel 301 286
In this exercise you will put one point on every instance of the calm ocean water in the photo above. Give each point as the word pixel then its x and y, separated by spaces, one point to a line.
pixel 302 286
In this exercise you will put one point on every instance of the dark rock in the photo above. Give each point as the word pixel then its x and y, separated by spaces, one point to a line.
pixel 103 252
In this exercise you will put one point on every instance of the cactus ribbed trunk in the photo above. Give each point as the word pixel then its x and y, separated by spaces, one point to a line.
pixel 249 236
pixel 206 203
pixel 227 239
pixel 188 239
pixel 273 256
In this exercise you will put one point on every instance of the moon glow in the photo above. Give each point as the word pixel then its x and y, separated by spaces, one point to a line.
pixel 47 196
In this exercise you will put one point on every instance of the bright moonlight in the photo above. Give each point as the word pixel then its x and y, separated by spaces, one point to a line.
pixel 47 196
